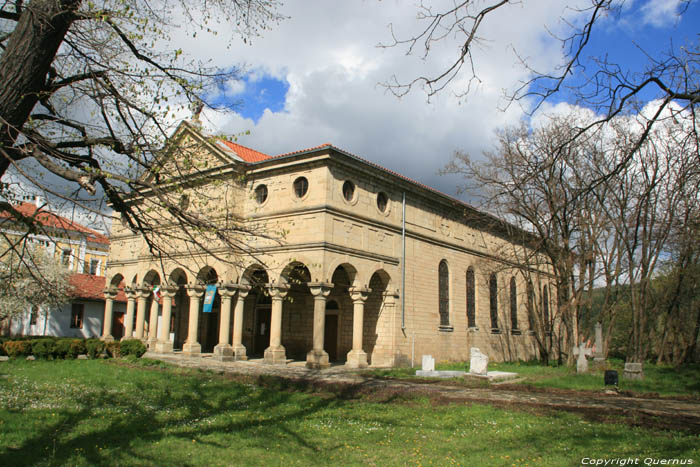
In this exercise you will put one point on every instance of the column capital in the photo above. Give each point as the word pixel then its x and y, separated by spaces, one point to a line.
pixel 243 290
pixel 390 296
pixel 110 293
pixel 359 294
pixel 320 290
pixel 195 290
pixel 277 290
pixel 169 291
pixel 130 293
pixel 144 291
pixel 227 289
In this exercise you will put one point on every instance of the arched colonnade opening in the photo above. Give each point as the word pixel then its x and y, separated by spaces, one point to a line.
pixel 294 317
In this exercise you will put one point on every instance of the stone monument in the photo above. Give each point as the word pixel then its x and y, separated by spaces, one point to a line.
pixel 581 362
pixel 633 371
pixel 478 362
pixel 598 355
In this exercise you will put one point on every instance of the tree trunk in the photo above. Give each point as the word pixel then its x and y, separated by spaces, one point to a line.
pixel 25 63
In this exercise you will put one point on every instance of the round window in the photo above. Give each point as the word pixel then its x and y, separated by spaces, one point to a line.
pixel 301 186
pixel 261 194
pixel 382 201
pixel 348 190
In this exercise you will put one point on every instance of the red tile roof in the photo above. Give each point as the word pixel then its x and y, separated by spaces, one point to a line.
pixel 89 287
pixel 54 221
pixel 247 154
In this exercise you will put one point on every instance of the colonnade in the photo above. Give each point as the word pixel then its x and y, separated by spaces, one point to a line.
pixel 229 349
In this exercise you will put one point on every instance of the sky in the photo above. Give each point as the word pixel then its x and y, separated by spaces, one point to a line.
pixel 315 77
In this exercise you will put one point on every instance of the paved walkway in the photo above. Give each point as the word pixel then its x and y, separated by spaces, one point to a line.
pixel 665 412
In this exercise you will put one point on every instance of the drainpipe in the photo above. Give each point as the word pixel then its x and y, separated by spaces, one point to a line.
pixel 403 264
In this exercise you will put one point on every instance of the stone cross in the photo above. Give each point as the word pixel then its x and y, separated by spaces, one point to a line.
pixel 428 363
pixel 598 356
pixel 478 363
pixel 581 363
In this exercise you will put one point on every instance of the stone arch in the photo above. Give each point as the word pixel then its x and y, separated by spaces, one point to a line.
pixel 297 310
pixel 151 278
pixel 207 275
pixel 117 281
pixel 177 277
pixel 180 306
pixel 353 272
pixel 376 326
pixel 208 332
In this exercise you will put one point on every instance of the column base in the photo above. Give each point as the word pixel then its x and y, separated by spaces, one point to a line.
pixel 239 353
pixel 275 355
pixel 107 338
pixel 192 349
pixel 356 359
pixel 317 359
pixel 151 343
pixel 125 337
pixel 164 347
pixel 223 352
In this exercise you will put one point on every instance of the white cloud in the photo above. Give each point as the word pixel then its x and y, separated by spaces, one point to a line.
pixel 660 13
pixel 327 52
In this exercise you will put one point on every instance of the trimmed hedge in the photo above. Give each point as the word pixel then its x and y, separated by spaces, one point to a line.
pixel 51 348
pixel 133 347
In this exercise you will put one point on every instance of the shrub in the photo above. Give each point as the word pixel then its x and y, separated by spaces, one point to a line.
pixel 77 347
pixel 113 349
pixel 133 347
pixel 43 348
pixel 94 348
pixel 62 348
pixel 2 346
pixel 18 348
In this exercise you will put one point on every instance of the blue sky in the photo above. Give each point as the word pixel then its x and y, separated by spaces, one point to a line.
pixel 314 77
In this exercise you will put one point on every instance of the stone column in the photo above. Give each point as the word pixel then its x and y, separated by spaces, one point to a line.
pixel 223 350
pixel 317 357
pixel 164 344
pixel 276 353
pixel 129 319
pixel 153 323
pixel 357 358
pixel 196 292
pixel 239 350
pixel 110 295
pixel 143 293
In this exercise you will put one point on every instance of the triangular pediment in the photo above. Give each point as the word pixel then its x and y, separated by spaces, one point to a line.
pixel 189 152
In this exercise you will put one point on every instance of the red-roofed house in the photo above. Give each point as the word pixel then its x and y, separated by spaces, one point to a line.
pixel 368 267
pixel 81 250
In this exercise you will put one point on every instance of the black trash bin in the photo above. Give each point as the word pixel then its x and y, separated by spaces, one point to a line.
pixel 610 378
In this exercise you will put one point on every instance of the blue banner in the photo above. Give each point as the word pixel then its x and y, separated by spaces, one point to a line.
pixel 209 296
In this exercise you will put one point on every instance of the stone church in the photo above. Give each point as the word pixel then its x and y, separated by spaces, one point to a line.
pixel 368 268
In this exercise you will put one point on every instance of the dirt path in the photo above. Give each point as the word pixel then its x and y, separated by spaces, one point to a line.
pixel 666 413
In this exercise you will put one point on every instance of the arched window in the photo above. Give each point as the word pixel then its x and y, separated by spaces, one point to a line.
pixel 493 303
pixel 471 299
pixel 530 306
pixel 545 308
pixel 444 293
pixel 513 305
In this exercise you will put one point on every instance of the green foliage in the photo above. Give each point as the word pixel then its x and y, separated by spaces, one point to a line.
pixel 43 348
pixel 19 348
pixel 178 416
pixel 94 348
pixel 132 347
pixel 113 349
pixel 76 347
pixel 62 348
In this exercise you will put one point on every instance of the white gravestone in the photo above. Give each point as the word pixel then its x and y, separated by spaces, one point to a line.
pixel 598 355
pixel 478 362
pixel 581 363
pixel 428 363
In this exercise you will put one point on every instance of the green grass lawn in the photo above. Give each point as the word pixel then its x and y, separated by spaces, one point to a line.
pixel 100 413
pixel 658 379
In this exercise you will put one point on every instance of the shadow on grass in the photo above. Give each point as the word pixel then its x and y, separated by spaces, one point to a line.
pixel 80 431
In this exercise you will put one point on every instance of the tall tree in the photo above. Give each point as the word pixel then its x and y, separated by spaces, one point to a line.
pixel 88 92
